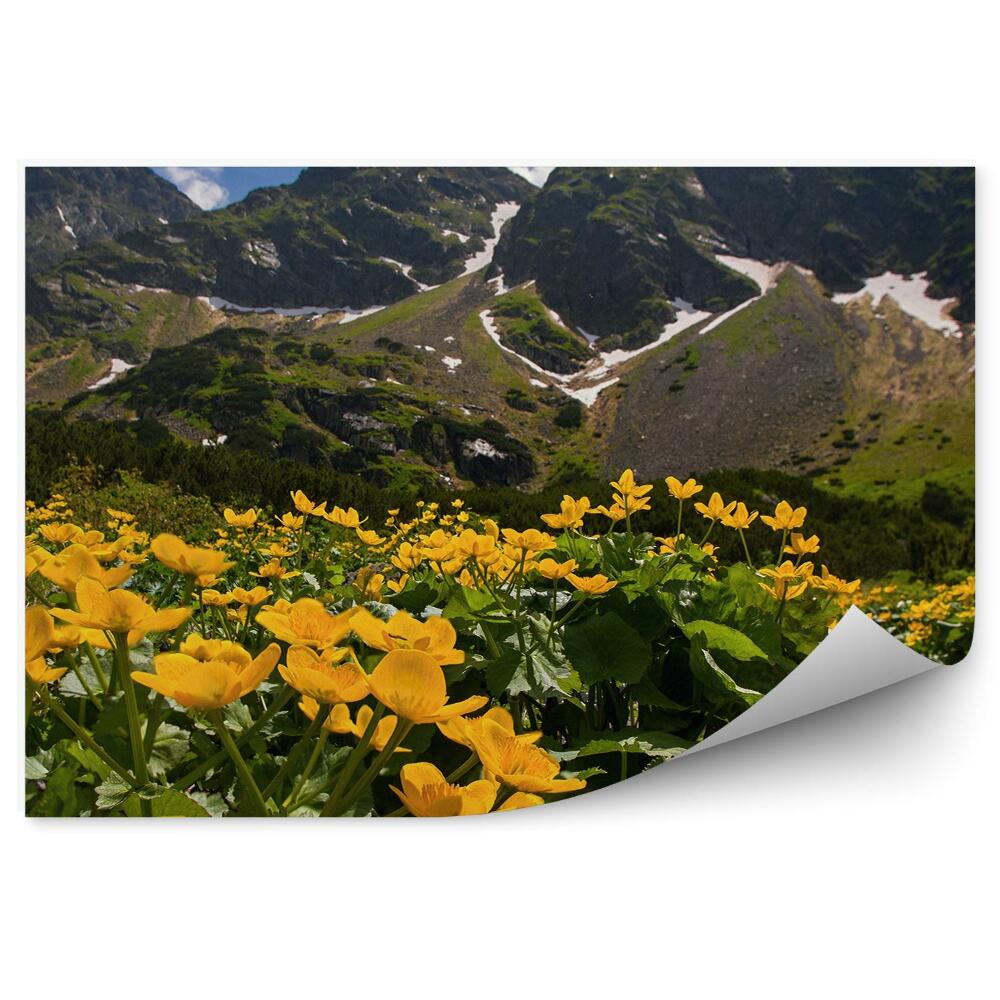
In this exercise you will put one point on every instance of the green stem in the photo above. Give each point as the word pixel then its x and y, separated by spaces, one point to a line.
pixel 85 738
pixel 746 551
pixel 311 730
pixel 680 510
pixel 132 712
pixel 96 664
pixel 308 770
pixel 351 764
pixel 70 661
pixel 198 772
pixel 402 730
pixel 257 804
pixel 168 589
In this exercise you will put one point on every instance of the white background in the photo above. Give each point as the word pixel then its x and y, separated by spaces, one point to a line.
pixel 848 854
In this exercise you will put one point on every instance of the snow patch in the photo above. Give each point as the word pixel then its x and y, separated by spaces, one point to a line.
pixel 406 269
pixel 451 363
pixel 687 315
pixel 462 238
pixel 499 288
pixel 160 218
pixel 502 213
pixel 478 446
pixel 910 294
pixel 216 303
pixel 762 274
pixel 588 395
pixel 539 383
pixel 118 367
pixel 449 340
pixel 66 225
pixel 214 442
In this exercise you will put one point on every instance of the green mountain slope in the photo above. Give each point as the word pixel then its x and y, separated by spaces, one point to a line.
pixel 67 208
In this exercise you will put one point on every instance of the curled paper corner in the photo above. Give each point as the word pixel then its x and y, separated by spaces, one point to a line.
pixel 856 658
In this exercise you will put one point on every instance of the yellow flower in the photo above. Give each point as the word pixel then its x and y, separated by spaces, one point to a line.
pixel 468 730
pixel 801 546
pixel 435 636
pixel 521 800
pixel 273 570
pixel 615 513
pixel 411 684
pixel 475 546
pixel 75 561
pixel 39 634
pixel 553 570
pixel 570 513
pixel 627 487
pixel 407 557
pixel 740 519
pixel 324 678
pixel 61 533
pixel 120 515
pixel 520 765
pixel 209 684
pixel 251 598
pixel 291 522
pixel 305 506
pixel 682 491
pixel 345 518
pixel 307 623
pixel 368 537
pixel 213 599
pixel 592 585
pixel 34 558
pixel 785 519
pixel 715 509
pixel 119 611
pixel 531 540
pixel 177 555
pixel 833 584
pixel 426 792
pixel 245 520
pixel 339 721
pixel 368 584
pixel 784 588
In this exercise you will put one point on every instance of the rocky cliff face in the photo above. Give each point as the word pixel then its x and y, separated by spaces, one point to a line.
pixel 611 249
pixel 68 208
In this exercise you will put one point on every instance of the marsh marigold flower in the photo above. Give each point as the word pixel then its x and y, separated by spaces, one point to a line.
pixel 740 518
pixel 305 506
pixel 213 683
pixel 785 518
pixel 715 509
pixel 435 636
pixel 76 561
pixel 592 585
pixel 339 721
pixel 531 540
pixel 332 678
pixel 426 792
pixel 682 491
pixel 570 514
pixel 177 555
pixel 39 635
pixel 250 598
pixel 520 765
pixel 467 730
pixel 307 623
pixel 119 611
pixel 411 684
pixel 801 546
pixel 245 520
pixel 553 570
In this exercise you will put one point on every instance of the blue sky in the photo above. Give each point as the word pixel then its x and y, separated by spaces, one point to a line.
pixel 213 187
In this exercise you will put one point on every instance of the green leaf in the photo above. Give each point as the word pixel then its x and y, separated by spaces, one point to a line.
pixel 168 803
pixel 112 793
pixel 500 672
pixel 647 693
pixel 605 647
pixel 726 639
pixel 170 747
pixel 705 669
pixel 37 767
pixel 652 744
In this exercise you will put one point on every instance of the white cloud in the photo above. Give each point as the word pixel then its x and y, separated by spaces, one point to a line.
pixel 537 175
pixel 198 185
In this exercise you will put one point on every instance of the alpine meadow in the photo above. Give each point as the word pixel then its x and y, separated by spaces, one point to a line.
pixel 426 492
